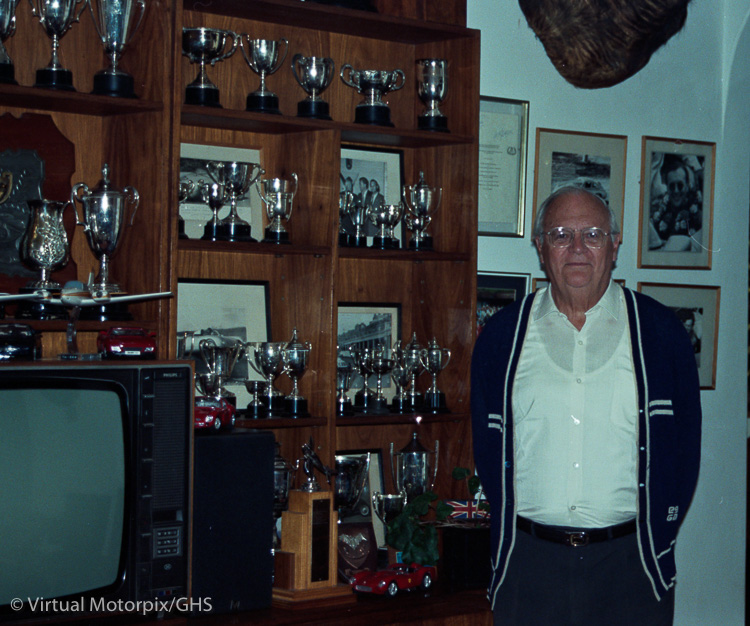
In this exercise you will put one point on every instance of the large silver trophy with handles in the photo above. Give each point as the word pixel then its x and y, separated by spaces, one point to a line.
pixel 414 467
pixel 264 56
pixel 56 18
pixel 7 28
pixel 220 356
pixel 237 178
pixel 206 46
pixel 313 74
pixel 432 75
pixel 116 22
pixel 351 477
pixel 373 85
pixel 267 358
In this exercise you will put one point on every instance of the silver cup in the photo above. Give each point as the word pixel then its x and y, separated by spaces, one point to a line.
pixel 264 57
pixel 237 178
pixel 267 358
pixel 104 210
pixel 56 17
pixel 278 196
pixel 373 85
pixel 296 356
pixel 186 187
pixel 434 359
pixel 215 195
pixel 346 206
pixel 414 467
pixel 220 358
pixel 344 374
pixel 385 217
pixel 421 203
pixel 388 506
pixel 351 477
pixel 206 46
pixel 45 245
pixel 117 22
pixel 380 363
pixel 7 28
pixel 313 74
pixel 432 75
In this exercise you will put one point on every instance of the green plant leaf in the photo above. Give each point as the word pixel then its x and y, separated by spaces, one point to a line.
pixel 474 485
pixel 443 510
pixel 461 473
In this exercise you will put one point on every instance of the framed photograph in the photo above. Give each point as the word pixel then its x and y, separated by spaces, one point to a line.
pixel 374 177
pixel 592 161
pixel 495 290
pixel 677 197
pixel 367 326
pixel 503 139
pixel 698 309
pixel 235 310
pixel 193 209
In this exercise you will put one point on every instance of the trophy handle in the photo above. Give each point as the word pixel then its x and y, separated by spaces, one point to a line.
pixel 75 196
pixel 398 73
pixel 296 182
pixel 133 198
pixel 203 349
pixel 235 40
pixel 295 60
pixel 347 81
pixel 83 4
pixel 142 6
pixel 281 60
pixel 393 472
pixel 447 354
pixel 435 470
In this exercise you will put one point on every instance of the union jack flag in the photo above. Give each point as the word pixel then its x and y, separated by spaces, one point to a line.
pixel 466 509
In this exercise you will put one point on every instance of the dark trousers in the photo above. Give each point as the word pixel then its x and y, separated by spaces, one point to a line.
pixel 601 584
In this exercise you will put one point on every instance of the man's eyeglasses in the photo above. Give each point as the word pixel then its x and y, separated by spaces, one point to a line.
pixel 562 237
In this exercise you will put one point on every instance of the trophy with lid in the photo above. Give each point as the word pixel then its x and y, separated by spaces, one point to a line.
pixel 264 57
pixel 414 467
pixel 434 359
pixel 7 28
pixel 432 86
pixel 373 85
pixel 421 202
pixel 206 46
pixel 104 209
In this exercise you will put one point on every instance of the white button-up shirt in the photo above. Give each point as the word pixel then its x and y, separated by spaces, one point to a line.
pixel 575 413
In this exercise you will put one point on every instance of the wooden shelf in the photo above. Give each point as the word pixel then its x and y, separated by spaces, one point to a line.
pixel 411 418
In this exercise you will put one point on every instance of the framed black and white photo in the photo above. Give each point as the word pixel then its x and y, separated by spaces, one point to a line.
pixel 676 214
pixel 374 177
pixel 194 210
pixel 697 307
pixel 592 161
pixel 503 138
pixel 496 290
pixel 368 326
pixel 235 310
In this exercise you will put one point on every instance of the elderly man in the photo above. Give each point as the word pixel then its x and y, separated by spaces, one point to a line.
pixel 586 426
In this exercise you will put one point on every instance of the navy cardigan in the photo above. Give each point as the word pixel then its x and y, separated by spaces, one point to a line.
pixel 669 428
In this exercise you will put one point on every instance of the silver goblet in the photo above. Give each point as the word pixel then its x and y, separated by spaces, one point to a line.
pixel 344 373
pixel 380 364
pixel 7 28
pixel 278 194
pixel 296 356
pixel 264 57
pixel 388 506
pixel 118 21
pixel 373 85
pixel 346 206
pixel 421 203
pixel 313 74
pixel 56 17
pixel 432 87
pixel 267 358
pixel 215 196
pixel 237 177
pixel 435 359
pixel 206 46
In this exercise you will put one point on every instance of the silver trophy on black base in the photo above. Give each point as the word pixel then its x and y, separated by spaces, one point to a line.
pixel 313 74
pixel 206 46
pixel 373 85
pixel 7 28
pixel 433 83
pixel 264 57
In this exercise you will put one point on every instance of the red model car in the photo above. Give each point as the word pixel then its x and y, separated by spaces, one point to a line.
pixel 395 578
pixel 213 413
pixel 121 342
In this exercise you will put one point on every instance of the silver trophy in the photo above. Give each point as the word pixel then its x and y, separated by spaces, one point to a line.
pixel 186 187
pixel 421 202
pixel 351 478
pixel 432 76
pixel 414 467
pixel 267 358
pixel 313 74
pixel 117 22
pixel 237 178
pixel 264 57
pixel 56 17
pixel 364 397
pixel 344 374
pixel 206 46
pixel 220 356
pixel 388 506
pixel 7 28
pixel 104 210
pixel 434 359
pixel 311 463
pixel 408 358
pixel 283 481
pixel 296 356
pixel 380 363
pixel 373 85
pixel 44 246
pixel 385 217
pixel 277 194
pixel 346 206
pixel 215 196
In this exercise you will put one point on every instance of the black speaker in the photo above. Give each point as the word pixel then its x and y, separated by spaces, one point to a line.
pixel 232 520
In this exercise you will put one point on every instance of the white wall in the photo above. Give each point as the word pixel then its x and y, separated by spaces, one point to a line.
pixel 697 87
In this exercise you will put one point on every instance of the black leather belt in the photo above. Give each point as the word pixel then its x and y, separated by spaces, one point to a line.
pixel 575 538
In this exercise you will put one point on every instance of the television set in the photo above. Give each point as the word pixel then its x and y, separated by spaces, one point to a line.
pixel 95 487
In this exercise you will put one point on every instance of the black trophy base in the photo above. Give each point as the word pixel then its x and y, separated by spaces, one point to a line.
pixel 317 109
pixel 274 406
pixel 233 232
pixel 263 103
pixel 202 96
pixel 29 310
pixel 378 406
pixel 367 114
pixel 385 243
pixel 346 240
pixel 344 408
pixel 425 243
pixel 274 236
pixel 363 401
pixel 49 78
pixel 359 241
pixel 211 232
pixel 435 402
pixel 408 404
pixel 296 407
pixel 8 74
pixel 119 85
pixel 256 411
pixel 437 123
pixel 181 234
pixel 110 312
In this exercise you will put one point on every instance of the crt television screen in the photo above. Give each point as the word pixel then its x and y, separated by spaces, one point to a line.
pixel 63 464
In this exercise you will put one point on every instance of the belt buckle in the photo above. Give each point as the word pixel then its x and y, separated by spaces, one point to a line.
pixel 578 540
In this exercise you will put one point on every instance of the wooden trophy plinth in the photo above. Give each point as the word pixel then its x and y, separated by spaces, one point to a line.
pixel 306 566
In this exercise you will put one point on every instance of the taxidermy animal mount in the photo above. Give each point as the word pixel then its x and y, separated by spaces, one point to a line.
pixel 599 43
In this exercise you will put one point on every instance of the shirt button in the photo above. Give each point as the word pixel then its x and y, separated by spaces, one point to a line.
pixel 578 380
pixel 580 343
pixel 573 508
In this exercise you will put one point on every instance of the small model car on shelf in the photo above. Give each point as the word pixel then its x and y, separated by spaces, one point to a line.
pixel 120 342
pixel 214 413
pixel 396 577
pixel 18 342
